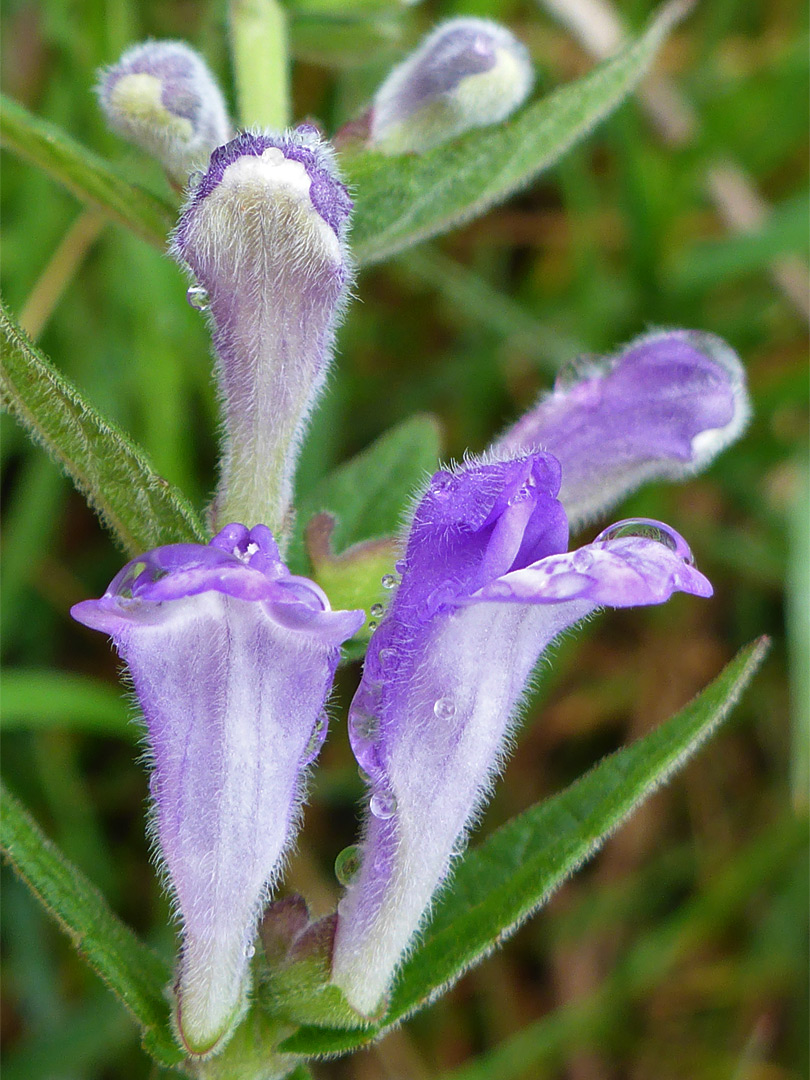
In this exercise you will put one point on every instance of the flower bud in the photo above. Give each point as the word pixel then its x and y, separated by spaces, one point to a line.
pixel 162 97
pixel 264 234
pixel 467 73
pixel 662 408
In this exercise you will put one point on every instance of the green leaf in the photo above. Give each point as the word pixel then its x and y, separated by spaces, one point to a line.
pixel 402 200
pixel 591 1020
pixel 135 974
pixel 359 507
pixel 36 699
pixel 499 884
pixel 367 493
pixel 141 508
pixel 91 179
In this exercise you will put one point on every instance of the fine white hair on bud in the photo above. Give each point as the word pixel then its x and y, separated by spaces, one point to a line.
pixel 162 97
pixel 264 235
pixel 466 73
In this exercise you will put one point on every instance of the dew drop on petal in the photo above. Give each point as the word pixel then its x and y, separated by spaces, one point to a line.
pixel 441 484
pixel 383 805
pixel 388 581
pixel 444 708
pixel 376 610
pixel 574 371
pixel 582 560
pixel 499 588
pixel 198 298
pixel 122 584
pixel 647 529
pixel 385 656
pixel 250 952
pixel 315 740
pixel 363 725
pixel 372 625
pixel 400 566
pixel 348 863
pixel 273 155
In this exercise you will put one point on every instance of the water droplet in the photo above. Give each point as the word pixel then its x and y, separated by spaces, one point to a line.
pixel 376 610
pixel 647 529
pixel 250 952
pixel 316 739
pixel 364 776
pixel 385 656
pixel 364 725
pixel 500 589
pixel 574 371
pixel 122 585
pixel 444 708
pixel 388 581
pixel 372 625
pixel 348 863
pixel 273 156
pixel 441 484
pixel 364 731
pixel 400 566
pixel 198 298
pixel 383 805
pixel 582 560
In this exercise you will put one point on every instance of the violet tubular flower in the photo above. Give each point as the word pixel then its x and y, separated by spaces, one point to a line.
pixel 264 233
pixel 487 584
pixel 466 73
pixel 662 408
pixel 162 97
pixel 232 659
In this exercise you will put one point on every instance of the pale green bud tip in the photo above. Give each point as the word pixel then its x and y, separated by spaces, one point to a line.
pixel 467 73
pixel 162 97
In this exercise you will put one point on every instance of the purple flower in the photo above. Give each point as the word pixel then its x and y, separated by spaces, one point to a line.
pixel 487 584
pixel 264 233
pixel 466 73
pixel 162 97
pixel 232 659
pixel 661 408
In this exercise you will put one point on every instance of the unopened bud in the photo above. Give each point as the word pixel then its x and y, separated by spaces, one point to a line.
pixel 467 73
pixel 162 97
pixel 264 234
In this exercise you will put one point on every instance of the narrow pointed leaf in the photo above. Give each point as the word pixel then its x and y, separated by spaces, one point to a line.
pixel 141 508
pixel 513 872
pixel 91 179
pixel 402 200
pixel 135 974
pixel 646 964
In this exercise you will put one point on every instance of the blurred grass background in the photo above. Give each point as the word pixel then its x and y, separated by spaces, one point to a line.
pixel 681 951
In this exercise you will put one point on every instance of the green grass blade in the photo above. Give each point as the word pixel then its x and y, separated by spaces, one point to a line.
pixel 589 1020
pixel 402 200
pixel 85 174
pixel 36 699
pixel 499 884
pixel 131 970
pixel 141 508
